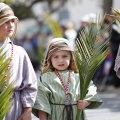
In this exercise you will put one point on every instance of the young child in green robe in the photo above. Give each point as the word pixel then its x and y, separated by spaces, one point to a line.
pixel 59 85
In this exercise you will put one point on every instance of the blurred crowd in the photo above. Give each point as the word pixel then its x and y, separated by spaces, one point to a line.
pixel 37 44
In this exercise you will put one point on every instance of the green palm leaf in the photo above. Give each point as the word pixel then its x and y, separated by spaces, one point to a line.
pixel 54 26
pixel 117 14
pixel 90 54
pixel 6 91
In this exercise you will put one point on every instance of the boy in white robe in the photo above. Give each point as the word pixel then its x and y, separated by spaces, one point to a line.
pixel 25 81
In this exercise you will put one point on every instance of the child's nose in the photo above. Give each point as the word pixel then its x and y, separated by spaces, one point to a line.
pixel 60 59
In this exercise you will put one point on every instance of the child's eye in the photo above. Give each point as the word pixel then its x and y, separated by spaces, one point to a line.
pixel 7 22
pixel 12 20
pixel 64 56
pixel 55 56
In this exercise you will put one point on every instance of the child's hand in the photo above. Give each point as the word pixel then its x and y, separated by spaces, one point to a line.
pixel 26 115
pixel 81 104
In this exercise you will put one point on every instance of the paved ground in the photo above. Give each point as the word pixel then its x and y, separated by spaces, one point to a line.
pixel 110 110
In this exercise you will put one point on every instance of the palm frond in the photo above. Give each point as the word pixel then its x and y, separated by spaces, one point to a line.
pixel 6 90
pixel 90 53
pixel 54 26
pixel 117 14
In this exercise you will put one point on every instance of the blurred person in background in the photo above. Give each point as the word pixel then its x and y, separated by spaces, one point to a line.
pixel 33 55
pixel 85 22
pixel 71 34
pixel 35 45
pixel 114 45
pixel 103 73
pixel 63 30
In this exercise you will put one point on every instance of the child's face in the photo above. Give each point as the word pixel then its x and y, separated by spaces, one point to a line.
pixel 61 60
pixel 7 29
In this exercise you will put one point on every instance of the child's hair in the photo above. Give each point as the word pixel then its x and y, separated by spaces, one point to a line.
pixel 58 44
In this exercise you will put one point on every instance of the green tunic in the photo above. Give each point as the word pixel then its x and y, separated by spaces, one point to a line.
pixel 50 90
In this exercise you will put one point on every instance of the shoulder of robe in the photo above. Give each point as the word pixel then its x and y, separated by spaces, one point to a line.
pixel 47 76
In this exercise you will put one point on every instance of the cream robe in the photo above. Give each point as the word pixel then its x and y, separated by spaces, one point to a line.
pixel 25 86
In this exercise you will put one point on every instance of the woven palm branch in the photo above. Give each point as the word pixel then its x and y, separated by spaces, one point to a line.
pixel 90 53
pixel 117 14
pixel 6 91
